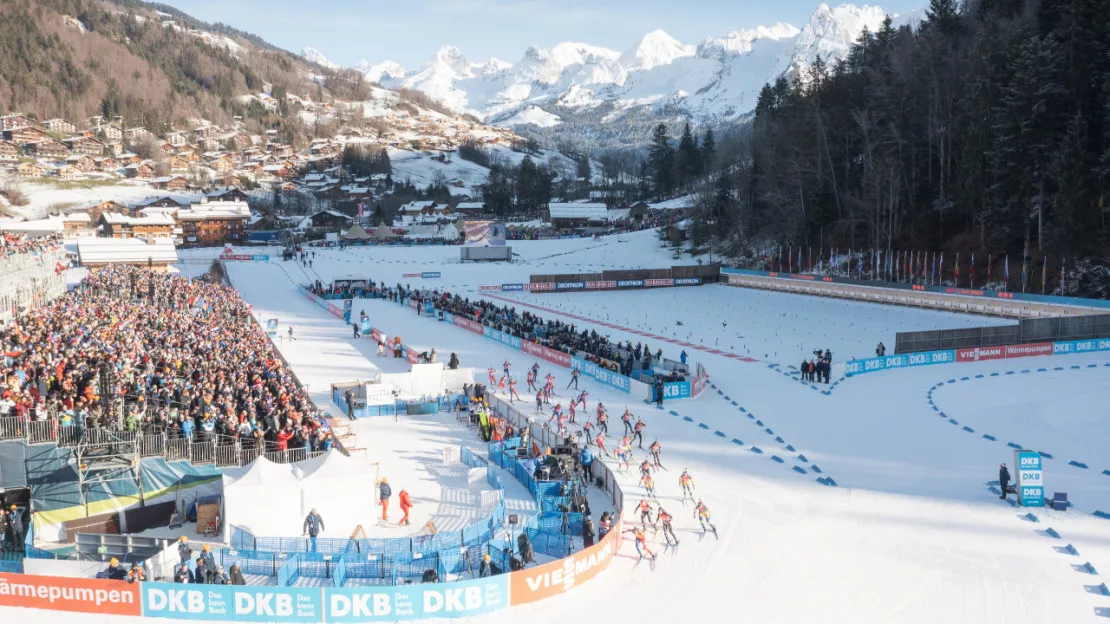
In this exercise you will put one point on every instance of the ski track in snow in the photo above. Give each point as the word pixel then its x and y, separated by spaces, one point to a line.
pixel 910 533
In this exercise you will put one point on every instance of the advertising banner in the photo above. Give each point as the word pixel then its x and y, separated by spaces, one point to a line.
pixel 69 594
pixel 687 281
pixel 411 355
pixel 1030 480
pixel 512 287
pixel 469 325
pixel 902 360
pixel 415 602
pixel 1081 346
pixel 1028 350
pixel 429 307
pixel 976 354
pixel 429 275
pixel 347 305
pixel 698 385
pixel 570 285
pixel 551 355
pixel 602 285
pixel 676 390
pixel 232 603
pixel 364 327
pixel 410 275
pixel 659 282
pixel 540 286
pixel 602 374
pixel 552 579
pixel 335 310
pixel 502 337
pixel 492 288
pixel 271 327
pixel 636 283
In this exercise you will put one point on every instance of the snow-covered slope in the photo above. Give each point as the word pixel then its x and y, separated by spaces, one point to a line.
pixel 717 80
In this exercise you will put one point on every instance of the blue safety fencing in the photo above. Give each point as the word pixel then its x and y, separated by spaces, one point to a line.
pixel 252 562
pixel 422 405
pixel 339 574
pixel 287 572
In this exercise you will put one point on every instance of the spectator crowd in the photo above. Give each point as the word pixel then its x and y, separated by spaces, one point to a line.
pixel 155 353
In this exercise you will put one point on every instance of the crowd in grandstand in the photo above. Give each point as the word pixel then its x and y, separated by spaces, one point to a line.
pixel 14 244
pixel 182 356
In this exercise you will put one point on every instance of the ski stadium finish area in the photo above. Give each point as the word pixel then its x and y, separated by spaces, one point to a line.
pixel 867 498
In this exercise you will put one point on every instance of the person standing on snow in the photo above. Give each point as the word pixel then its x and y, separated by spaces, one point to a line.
pixel 313 525
pixel 1003 480
pixel 384 492
pixel 406 505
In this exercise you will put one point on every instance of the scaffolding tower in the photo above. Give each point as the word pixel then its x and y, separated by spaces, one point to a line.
pixel 104 457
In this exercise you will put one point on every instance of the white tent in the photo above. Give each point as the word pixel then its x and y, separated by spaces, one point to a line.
pixel 263 498
pixel 272 500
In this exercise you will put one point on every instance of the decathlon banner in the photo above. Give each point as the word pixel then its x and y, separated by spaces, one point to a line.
pixel 430 275
pixel 232 603
pixel 68 594
pixel 415 602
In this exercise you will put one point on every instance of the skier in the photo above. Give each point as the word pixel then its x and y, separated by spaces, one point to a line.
pixel 582 398
pixel 512 390
pixel 573 379
pixel 686 482
pixel 645 469
pixel 501 384
pixel 556 412
pixel 406 505
pixel 291 333
pixel 532 381
pixel 645 513
pixel 638 433
pixel 665 518
pixel 492 379
pixel 624 457
pixel 505 365
pixel 641 544
pixel 588 431
pixel 572 412
pixel 547 394
pixel 649 486
pixel 701 512
pixel 602 419
pixel 655 449
pixel 384 492
pixel 536 369
pixel 539 401
pixel 600 442
pixel 626 418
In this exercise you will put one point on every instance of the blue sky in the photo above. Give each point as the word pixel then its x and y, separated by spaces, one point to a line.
pixel 410 31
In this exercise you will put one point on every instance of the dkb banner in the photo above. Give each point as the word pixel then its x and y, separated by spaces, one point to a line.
pixel 415 602
pixel 230 602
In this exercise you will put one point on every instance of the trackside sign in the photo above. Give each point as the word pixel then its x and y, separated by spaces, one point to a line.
pixel 229 602
pixel 69 594
pixel 415 602
pixel 559 576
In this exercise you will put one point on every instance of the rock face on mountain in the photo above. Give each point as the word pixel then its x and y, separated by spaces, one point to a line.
pixel 715 81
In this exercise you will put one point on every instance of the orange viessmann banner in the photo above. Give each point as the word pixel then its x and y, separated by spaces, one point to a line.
pixel 69 594
pixel 557 577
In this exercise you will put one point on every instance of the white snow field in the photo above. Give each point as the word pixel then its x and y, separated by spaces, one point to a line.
pixel 910 532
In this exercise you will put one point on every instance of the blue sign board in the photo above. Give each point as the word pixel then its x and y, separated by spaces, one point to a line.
pixel 569 285
pixel 1081 346
pixel 260 258
pixel 429 307
pixel 602 375
pixel 639 283
pixel 347 305
pixel 676 390
pixel 231 602
pixel 687 281
pixel 509 287
pixel 414 602
pixel 1030 478
pixel 429 275
pixel 902 360
pixel 502 337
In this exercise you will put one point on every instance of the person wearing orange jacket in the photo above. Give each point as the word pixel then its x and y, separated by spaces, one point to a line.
pixel 406 505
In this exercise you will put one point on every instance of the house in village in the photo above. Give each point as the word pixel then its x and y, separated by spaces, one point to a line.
pixel 142 170
pixel 330 221
pixel 164 203
pixel 26 134
pixel 109 206
pixel 128 158
pixel 117 225
pixel 66 172
pixel 85 145
pixel 81 162
pixel 48 148
pixel 15 121
pixel 575 215
pixel 170 183
pixel 217 222
pixel 156 254
pixel 106 164
pixel 29 169
pixel 9 151
pixel 59 126
pixel 74 223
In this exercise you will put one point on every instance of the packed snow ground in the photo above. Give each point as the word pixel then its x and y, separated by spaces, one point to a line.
pixel 911 533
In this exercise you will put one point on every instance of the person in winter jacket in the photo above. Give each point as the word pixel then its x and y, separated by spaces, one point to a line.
pixel 485 570
pixel 183 574
pixel 236 576
pixel 313 525
pixel 406 505
pixel 219 577
pixel 1003 480
pixel 183 549
pixel 603 525
pixel 15 526
pixel 453 362
pixel 524 545
pixel 384 492
pixel 200 573
pixel 587 532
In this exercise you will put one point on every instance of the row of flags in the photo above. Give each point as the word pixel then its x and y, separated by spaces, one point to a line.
pixel 918 267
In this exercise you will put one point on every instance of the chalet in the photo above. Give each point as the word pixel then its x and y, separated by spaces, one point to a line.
pixel 138 133
pixel 152 225
pixel 222 163
pixel 177 139
pixel 188 156
pixel 170 183
pixel 142 170
pixel 128 158
pixel 251 167
pixel 229 180
pixel 178 163
pixel 47 149
pixel 281 171
pixel 15 121
pixel 214 222
pixel 417 209
pixel 81 162
pixel 29 169
pixel 26 134
pixel 105 164
pixel 114 148
pixel 59 126
pixel 287 187
pixel 156 254
pixel 8 151
pixel 161 202
pixel 330 220
pixel 85 145
pixel 111 132
pixel 227 195
pixel 66 172
pixel 103 207
pixel 75 221
pixel 470 208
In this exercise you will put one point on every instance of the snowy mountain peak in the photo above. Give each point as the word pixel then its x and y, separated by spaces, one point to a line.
pixel 655 49
pixel 740 41
pixel 380 71
pixel 452 57
pixel 312 55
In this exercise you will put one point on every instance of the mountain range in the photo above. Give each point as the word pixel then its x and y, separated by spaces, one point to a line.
pixel 713 82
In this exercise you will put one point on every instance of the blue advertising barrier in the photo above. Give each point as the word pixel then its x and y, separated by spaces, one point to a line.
pixel 429 275
pixel 512 287
pixel 676 390
pixel 602 375
pixel 415 602
pixel 493 334
pixel 1081 346
pixel 230 602
pixel 902 360
pixel 1030 479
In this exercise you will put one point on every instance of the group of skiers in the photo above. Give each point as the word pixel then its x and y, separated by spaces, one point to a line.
pixel 818 368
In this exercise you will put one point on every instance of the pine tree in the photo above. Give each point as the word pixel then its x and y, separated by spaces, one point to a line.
pixel 687 159
pixel 661 159
pixel 708 155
